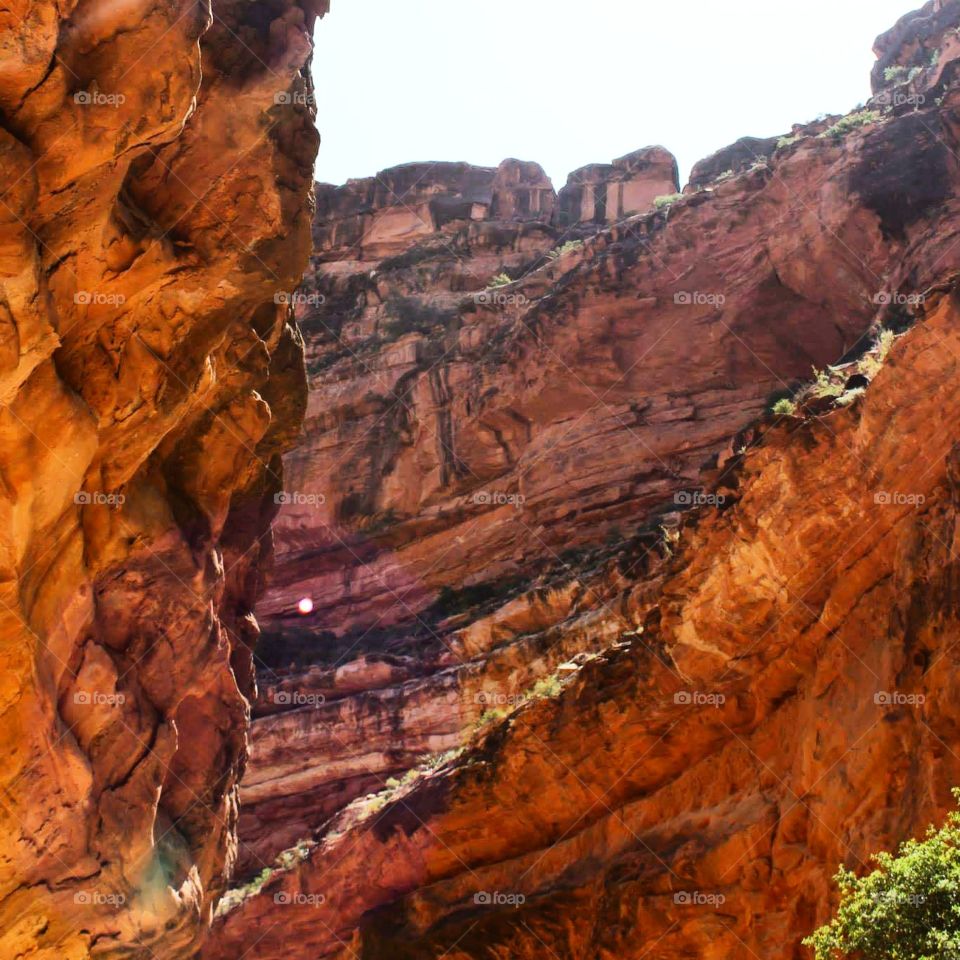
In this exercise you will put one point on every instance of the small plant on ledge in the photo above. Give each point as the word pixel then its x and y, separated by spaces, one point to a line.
pixel 852 121
pixel 557 252
pixel 784 407
pixel 662 203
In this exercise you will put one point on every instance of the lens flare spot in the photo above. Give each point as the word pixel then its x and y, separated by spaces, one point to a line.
pixel 305 606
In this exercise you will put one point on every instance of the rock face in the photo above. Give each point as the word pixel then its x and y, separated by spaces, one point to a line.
pixel 747 152
pixel 604 193
pixel 786 702
pixel 157 180
pixel 462 441
pixel 732 700
pixel 458 435
pixel 386 215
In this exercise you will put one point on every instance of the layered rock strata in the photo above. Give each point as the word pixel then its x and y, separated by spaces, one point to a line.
pixel 733 701
pixel 156 207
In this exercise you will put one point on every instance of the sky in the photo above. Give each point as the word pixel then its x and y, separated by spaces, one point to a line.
pixel 568 82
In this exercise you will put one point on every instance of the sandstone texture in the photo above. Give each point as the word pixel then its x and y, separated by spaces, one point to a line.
pixel 155 213
pixel 784 700
pixel 603 659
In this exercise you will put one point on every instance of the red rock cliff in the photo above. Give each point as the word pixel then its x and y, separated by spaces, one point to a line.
pixel 156 189
pixel 732 700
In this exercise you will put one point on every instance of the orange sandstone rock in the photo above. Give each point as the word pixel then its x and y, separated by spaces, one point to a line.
pixel 156 195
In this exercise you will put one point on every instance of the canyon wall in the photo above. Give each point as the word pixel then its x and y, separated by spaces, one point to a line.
pixel 155 214
pixel 600 658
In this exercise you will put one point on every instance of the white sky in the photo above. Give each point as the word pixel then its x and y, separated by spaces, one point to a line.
pixel 568 82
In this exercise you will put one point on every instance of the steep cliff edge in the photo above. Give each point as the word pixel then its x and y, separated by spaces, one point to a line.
pixel 156 206
pixel 727 708
pixel 471 449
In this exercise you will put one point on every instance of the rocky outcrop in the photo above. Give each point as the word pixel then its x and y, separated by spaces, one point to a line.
pixel 461 433
pixel 157 179
pixel 604 193
pixel 747 152
pixel 340 729
pixel 386 215
pixel 461 441
pixel 784 702
pixel 697 714
pixel 914 44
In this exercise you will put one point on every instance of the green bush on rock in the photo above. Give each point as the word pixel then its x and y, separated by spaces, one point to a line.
pixel 906 909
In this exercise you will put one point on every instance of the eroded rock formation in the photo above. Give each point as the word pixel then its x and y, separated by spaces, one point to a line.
pixel 733 700
pixel 605 193
pixel 156 187
pixel 785 701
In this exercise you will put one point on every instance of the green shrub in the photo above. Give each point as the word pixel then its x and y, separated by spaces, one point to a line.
pixel 824 384
pixel 862 118
pixel 500 280
pixel 661 203
pixel 557 252
pixel 895 74
pixel 784 407
pixel 545 688
pixel 850 396
pixel 906 909
pixel 490 716
pixel 870 364
pixel 439 759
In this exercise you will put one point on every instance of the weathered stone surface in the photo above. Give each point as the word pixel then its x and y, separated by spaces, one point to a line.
pixel 467 438
pixel 605 193
pixel 387 214
pixel 914 41
pixel 742 155
pixel 326 734
pixel 458 435
pixel 785 702
pixel 738 705
pixel 156 183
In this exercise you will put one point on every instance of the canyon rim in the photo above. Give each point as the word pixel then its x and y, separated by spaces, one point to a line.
pixel 443 565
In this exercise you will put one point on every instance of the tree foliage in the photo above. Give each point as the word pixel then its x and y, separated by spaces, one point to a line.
pixel 906 909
